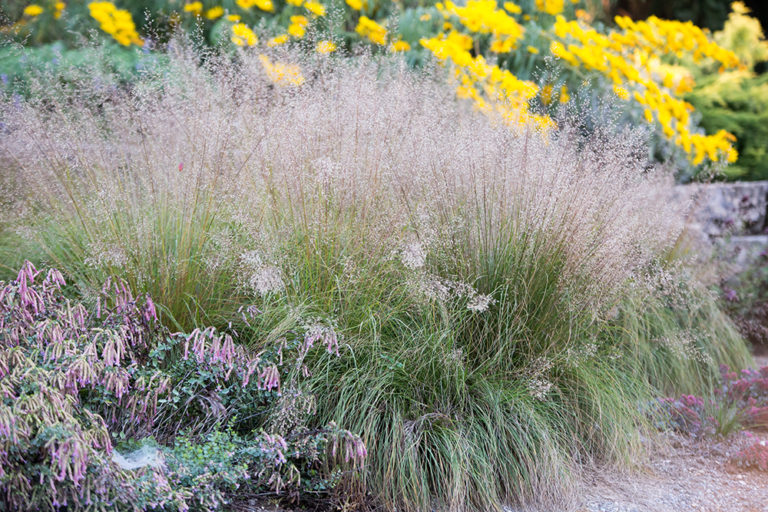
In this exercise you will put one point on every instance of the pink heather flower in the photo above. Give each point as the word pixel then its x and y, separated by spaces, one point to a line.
pixel 270 378
pixel 150 311
pixel 250 368
pixel 361 451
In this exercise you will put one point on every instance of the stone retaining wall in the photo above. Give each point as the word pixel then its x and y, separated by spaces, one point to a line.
pixel 732 217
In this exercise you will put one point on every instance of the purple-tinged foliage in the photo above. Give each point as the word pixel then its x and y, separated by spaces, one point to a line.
pixel 72 381
pixel 753 455
pixel 54 450
pixel 740 401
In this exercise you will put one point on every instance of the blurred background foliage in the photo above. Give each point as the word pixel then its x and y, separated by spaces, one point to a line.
pixel 709 14
pixel 55 38
pixel 735 101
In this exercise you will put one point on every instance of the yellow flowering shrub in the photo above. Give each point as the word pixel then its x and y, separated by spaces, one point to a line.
pixel 492 89
pixel 631 59
pixel 637 59
pixel 492 46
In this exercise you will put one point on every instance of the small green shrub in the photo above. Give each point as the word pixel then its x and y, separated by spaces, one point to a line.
pixel 737 102
pixel 54 65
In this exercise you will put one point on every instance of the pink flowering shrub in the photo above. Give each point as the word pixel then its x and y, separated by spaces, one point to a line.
pixel 748 390
pixel 73 380
pixel 754 455
pixel 740 401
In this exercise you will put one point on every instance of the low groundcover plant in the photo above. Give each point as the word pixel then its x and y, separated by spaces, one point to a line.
pixel 74 381
pixel 741 400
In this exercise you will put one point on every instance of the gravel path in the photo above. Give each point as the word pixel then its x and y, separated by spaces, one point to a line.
pixel 683 476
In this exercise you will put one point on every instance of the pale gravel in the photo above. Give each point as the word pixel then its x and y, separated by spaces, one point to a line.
pixel 681 475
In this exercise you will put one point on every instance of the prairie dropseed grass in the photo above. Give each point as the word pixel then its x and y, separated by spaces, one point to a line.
pixel 479 284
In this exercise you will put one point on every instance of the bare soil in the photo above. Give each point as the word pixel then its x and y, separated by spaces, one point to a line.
pixel 682 475
pixel 685 475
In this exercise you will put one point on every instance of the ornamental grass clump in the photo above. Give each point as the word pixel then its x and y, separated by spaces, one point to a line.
pixel 472 285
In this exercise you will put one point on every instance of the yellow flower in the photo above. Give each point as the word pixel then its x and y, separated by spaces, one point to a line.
pixel 33 10
pixel 325 47
pixel 115 22
pixel 546 94
pixel 512 7
pixel 400 46
pixel 214 12
pixel 315 8
pixel 583 15
pixel 296 31
pixel 356 5
pixel 502 46
pixel 58 8
pixel 264 5
pixel 552 7
pixel 368 28
pixel 533 50
pixel 277 40
pixel 302 21
pixel 194 7
pixel 233 17
pixel 243 36
pixel 483 16
pixel 281 74
pixel 425 17
pixel 564 96
pixel 621 92
pixel 297 3
pixel 648 115
pixel 558 50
